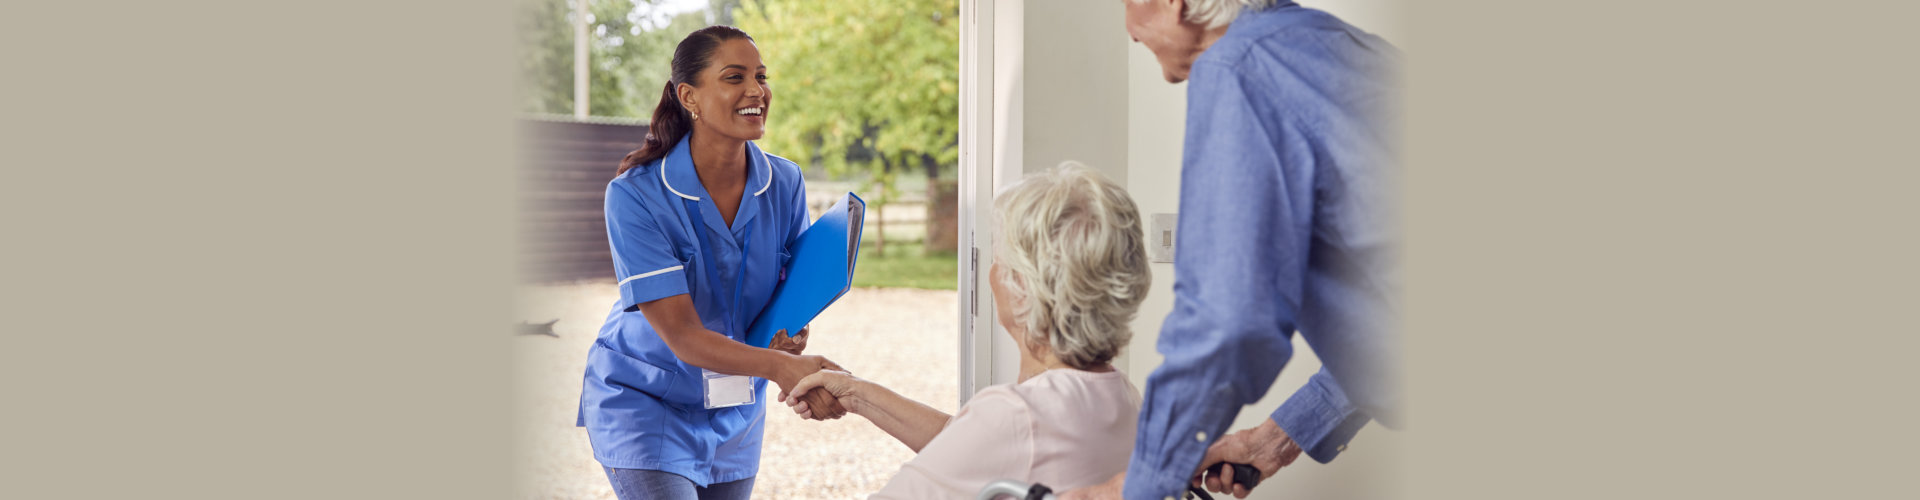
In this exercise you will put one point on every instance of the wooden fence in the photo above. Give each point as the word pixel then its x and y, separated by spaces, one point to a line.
pixel 563 174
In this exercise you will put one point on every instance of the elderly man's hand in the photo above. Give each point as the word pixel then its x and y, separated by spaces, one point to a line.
pixel 1109 490
pixel 1266 447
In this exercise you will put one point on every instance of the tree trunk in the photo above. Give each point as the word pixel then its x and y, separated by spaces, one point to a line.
pixel 880 222
pixel 943 215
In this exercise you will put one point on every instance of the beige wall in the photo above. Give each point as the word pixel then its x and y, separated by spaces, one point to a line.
pixel 1059 92
pixel 1156 114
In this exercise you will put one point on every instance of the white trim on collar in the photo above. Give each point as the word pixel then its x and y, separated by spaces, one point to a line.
pixel 663 180
pixel 769 163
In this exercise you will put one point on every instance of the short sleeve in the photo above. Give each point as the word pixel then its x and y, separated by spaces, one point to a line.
pixel 643 258
pixel 990 439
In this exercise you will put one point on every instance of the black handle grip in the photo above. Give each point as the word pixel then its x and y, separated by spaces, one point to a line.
pixel 1243 474
pixel 1039 492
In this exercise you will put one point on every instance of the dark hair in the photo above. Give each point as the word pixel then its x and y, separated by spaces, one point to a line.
pixel 670 120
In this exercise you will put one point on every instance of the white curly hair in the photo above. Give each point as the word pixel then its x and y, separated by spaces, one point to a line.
pixel 1216 13
pixel 1073 256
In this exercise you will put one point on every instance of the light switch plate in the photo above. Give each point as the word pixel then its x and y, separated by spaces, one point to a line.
pixel 1161 234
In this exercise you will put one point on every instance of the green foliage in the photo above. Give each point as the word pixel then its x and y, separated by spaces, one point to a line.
pixel 631 63
pixel 546 57
pixel 861 86
pixel 908 266
pixel 628 52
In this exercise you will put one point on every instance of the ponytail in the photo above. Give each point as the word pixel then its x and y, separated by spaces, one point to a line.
pixel 671 122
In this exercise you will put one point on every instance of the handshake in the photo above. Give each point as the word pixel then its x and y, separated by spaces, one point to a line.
pixel 813 396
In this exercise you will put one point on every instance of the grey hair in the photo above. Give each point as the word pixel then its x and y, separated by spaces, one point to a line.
pixel 1216 13
pixel 1074 255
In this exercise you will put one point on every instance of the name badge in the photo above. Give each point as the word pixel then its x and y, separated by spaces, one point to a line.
pixel 727 390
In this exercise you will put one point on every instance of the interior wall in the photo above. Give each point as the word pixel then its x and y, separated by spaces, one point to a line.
pixel 1156 117
pixel 1009 40
pixel 1060 94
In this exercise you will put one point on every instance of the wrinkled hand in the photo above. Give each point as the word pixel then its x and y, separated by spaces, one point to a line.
pixel 798 367
pixel 1109 490
pixel 1265 447
pixel 791 345
pixel 820 395
pixel 818 404
pixel 831 409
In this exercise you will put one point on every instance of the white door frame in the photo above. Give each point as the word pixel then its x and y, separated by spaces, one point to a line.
pixel 976 195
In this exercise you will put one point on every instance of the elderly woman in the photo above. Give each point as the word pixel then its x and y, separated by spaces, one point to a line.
pixel 1070 269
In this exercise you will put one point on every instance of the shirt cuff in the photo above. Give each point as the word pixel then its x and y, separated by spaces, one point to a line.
pixel 1154 485
pixel 1320 419
pixel 1163 462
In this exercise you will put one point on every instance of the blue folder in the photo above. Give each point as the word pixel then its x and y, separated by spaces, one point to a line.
pixel 819 271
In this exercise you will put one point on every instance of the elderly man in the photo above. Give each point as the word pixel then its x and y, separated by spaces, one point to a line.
pixel 1285 225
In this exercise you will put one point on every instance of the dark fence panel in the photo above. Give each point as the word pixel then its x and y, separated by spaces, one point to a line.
pixel 563 183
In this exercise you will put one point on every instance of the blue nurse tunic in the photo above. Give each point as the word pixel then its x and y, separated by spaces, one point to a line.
pixel 643 408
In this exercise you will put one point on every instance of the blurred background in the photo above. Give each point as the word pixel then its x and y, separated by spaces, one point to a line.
pixel 867 100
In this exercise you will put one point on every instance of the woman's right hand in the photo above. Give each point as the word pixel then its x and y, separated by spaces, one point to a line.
pixel 794 345
pixel 836 385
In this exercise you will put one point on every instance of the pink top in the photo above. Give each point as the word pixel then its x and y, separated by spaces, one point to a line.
pixel 1062 428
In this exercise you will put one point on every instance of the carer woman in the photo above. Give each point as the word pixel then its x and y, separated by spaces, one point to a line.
pixel 699 219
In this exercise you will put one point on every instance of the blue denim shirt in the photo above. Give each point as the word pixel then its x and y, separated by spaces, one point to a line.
pixel 1286 224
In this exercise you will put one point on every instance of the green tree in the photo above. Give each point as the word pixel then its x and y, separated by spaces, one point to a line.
pixel 632 60
pixel 546 57
pixel 862 81
pixel 628 51
pixel 862 86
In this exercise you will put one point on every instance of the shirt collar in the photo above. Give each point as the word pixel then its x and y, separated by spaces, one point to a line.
pixel 759 169
pixel 680 177
pixel 1277 6
pixel 678 173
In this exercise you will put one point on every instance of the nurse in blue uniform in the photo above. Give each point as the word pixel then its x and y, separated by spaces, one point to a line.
pixel 699 219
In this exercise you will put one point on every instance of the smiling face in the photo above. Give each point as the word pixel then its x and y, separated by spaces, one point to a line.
pixel 1174 42
pixel 733 98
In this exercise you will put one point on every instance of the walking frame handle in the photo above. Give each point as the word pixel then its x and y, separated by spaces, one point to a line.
pixel 1011 488
pixel 1243 474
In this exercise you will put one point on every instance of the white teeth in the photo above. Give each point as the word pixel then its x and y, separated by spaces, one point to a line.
pixel 751 111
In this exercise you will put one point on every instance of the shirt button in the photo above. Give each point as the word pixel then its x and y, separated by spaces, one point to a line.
pixel 1340 448
pixel 1202 437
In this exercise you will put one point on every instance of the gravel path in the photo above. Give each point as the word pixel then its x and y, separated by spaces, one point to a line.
pixel 901 338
